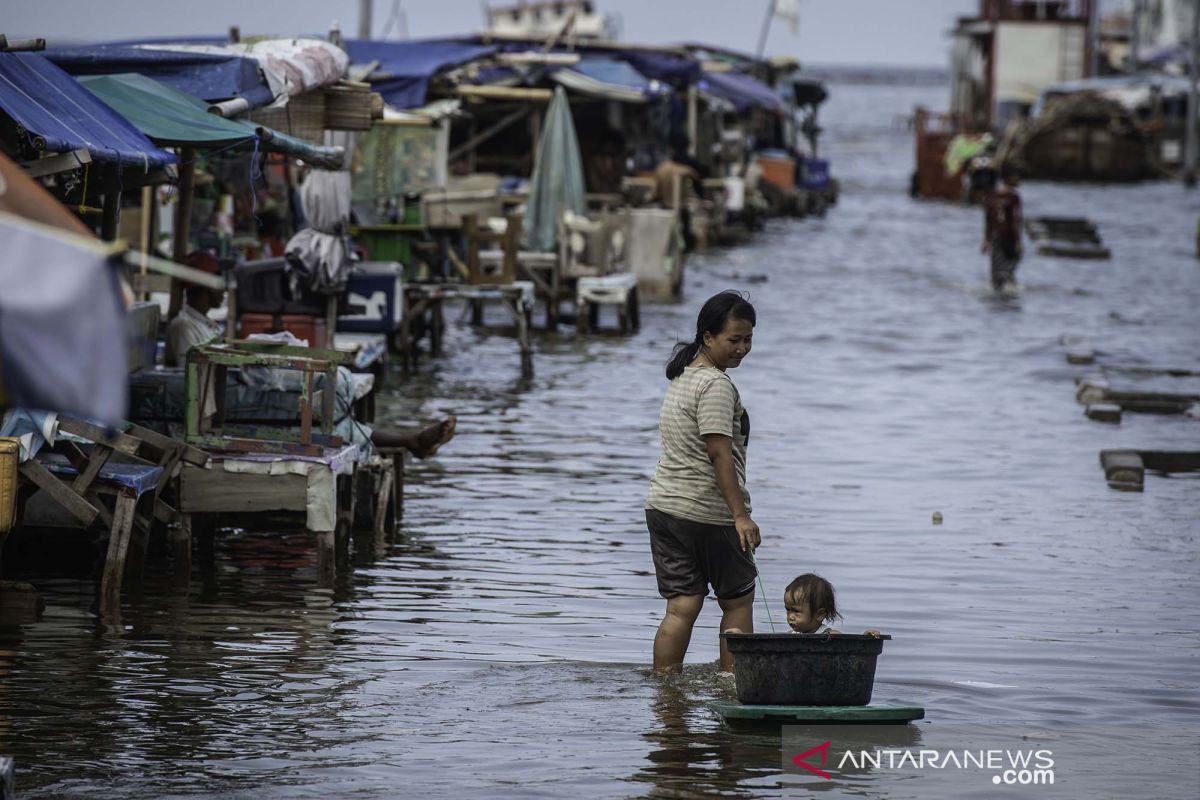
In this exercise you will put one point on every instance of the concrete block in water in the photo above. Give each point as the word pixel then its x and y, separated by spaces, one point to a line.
pixel 1081 354
pixel 1092 391
pixel 1123 469
pixel 1104 412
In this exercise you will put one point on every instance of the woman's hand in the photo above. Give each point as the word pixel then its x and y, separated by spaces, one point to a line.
pixel 747 531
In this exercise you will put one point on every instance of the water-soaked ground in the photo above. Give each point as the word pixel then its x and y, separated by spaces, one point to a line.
pixel 501 648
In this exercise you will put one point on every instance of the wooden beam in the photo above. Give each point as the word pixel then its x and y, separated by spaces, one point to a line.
pixel 59 163
pixel 39 476
pixel 94 433
pixel 504 93
pixel 480 138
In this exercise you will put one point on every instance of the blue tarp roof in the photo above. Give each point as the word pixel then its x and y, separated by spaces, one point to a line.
pixel 59 115
pixel 678 71
pixel 619 73
pixel 208 76
pixel 743 91
pixel 404 69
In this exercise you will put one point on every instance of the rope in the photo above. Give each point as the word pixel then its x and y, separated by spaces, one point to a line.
pixel 754 559
pixel 87 171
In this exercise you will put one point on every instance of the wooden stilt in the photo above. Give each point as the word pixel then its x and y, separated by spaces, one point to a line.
pixel 118 548
pixel 582 316
pixel 183 221
pixel 326 557
pixel 180 540
pixel 384 508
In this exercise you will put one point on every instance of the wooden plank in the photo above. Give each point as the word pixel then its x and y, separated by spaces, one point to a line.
pixel 214 490
pixel 79 508
pixel 235 444
pixel 1170 460
pixel 95 463
pixel 59 163
pixel 118 548
pixel 270 432
pixel 155 439
pixel 505 93
pixel 94 433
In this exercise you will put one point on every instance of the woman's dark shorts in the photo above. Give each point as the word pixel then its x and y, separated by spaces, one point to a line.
pixel 688 556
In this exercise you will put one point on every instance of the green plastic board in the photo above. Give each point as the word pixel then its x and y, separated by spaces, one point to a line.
pixel 737 712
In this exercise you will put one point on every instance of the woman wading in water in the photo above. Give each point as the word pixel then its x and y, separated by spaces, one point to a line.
pixel 698 509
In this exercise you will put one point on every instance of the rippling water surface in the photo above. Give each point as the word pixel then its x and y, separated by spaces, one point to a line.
pixel 500 647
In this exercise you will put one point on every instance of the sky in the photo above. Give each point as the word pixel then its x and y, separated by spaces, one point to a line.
pixel 870 32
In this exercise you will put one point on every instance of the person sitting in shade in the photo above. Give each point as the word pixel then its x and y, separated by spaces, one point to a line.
pixel 192 327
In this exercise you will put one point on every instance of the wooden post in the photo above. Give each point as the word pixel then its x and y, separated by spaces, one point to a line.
pixel 183 220
pixel 692 126
pixel 331 307
pixel 1193 105
pixel 180 540
pixel 326 557
pixel 118 547
pixel 535 136
pixel 144 236
pixel 111 219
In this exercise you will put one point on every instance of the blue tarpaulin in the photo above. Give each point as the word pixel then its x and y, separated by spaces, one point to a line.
pixel 208 76
pixel 743 91
pixel 58 115
pixel 404 68
pixel 678 71
pixel 618 73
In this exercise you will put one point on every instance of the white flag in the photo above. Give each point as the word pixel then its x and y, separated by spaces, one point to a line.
pixel 789 10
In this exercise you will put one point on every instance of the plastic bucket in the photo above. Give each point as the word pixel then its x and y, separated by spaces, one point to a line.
pixel 804 669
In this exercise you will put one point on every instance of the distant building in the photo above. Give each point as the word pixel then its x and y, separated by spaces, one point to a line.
pixel 1005 56
pixel 545 19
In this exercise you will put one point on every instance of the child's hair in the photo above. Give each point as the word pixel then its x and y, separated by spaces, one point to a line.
pixel 816 593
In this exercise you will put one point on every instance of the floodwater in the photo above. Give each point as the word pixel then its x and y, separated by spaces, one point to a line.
pixel 500 647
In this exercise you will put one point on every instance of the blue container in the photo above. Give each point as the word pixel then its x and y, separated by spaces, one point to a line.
pixel 815 174
pixel 375 293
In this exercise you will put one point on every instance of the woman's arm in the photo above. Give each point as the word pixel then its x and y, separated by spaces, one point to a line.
pixel 720 453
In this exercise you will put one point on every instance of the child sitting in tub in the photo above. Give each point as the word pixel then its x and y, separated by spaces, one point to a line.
pixel 810 604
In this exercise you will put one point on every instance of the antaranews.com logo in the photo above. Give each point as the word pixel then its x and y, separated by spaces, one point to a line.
pixel 1020 767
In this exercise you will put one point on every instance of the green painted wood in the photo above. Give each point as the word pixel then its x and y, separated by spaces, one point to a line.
pixel 802 714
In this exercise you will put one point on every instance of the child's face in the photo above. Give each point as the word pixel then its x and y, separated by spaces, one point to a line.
pixel 801 616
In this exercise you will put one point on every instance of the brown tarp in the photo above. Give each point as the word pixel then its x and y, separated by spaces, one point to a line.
pixel 1079 137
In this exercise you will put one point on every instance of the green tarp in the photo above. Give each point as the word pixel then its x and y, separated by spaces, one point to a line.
pixel 557 183
pixel 168 116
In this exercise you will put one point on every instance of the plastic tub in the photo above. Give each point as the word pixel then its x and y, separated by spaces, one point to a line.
pixel 804 669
